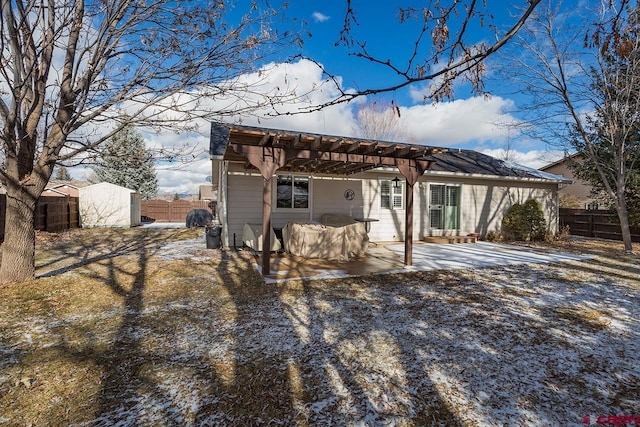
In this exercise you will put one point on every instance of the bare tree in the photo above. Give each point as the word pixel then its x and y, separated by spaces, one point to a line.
pixel 586 95
pixel 71 69
pixel 379 119
pixel 509 152
pixel 445 48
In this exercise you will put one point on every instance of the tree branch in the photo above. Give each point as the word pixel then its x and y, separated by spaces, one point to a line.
pixel 471 59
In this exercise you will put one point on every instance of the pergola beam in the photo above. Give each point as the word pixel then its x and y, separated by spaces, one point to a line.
pixel 317 143
pixel 326 156
pixel 297 143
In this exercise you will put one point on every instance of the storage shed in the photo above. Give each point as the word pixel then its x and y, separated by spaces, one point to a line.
pixel 109 205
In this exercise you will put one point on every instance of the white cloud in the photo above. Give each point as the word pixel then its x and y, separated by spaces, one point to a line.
pixel 476 123
pixel 533 158
pixel 320 17
pixel 184 178
pixel 303 79
pixel 459 122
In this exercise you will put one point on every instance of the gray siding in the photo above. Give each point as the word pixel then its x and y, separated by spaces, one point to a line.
pixel 483 203
pixel 244 205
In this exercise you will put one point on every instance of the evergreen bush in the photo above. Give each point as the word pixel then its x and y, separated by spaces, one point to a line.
pixel 524 222
pixel 534 218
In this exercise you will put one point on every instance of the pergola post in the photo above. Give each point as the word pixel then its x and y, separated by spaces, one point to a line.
pixel 267 160
pixel 408 226
pixel 411 170
pixel 266 225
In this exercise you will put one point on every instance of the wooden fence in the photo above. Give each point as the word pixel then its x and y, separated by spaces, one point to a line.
pixel 595 223
pixel 52 213
pixel 175 211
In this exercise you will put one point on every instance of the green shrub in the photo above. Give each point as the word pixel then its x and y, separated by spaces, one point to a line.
pixel 535 220
pixel 524 222
pixel 513 225
pixel 492 236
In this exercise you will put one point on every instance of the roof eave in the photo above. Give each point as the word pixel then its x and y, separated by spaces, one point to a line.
pixel 496 177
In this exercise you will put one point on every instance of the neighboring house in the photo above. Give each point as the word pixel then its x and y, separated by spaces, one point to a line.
pixel 576 194
pixel 109 205
pixel 64 188
pixel 59 188
pixel 207 193
pixel 303 176
pixel 52 192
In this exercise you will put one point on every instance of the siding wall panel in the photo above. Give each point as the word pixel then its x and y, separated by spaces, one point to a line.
pixel 483 203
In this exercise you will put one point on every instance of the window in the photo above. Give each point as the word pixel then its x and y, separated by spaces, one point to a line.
pixel 444 207
pixel 391 194
pixel 292 192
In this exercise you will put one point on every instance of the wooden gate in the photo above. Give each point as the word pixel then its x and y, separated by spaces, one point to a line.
pixel 175 211
pixel 53 213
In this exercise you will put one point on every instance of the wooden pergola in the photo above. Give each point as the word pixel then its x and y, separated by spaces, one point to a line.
pixel 272 150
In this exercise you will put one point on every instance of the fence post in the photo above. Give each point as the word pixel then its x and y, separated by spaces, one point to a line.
pixel 45 208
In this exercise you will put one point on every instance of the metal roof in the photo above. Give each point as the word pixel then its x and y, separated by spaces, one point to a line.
pixel 348 155
pixel 471 162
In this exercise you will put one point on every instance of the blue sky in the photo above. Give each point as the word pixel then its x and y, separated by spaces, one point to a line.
pixel 386 38
pixel 479 123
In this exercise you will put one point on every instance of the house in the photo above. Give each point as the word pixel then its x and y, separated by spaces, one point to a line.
pixel 207 192
pixel 404 191
pixel 109 205
pixel 577 193
pixel 53 192
pixel 64 188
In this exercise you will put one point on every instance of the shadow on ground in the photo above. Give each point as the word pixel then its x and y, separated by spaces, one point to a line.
pixel 203 341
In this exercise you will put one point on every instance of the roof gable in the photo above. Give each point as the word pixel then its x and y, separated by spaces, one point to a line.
pixel 565 159
pixel 108 185
pixel 71 183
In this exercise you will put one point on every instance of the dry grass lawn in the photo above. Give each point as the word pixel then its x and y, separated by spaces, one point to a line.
pixel 146 327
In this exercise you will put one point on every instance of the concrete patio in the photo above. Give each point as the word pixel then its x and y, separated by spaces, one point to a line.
pixel 387 258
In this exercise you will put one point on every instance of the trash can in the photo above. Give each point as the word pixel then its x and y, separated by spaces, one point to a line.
pixel 213 234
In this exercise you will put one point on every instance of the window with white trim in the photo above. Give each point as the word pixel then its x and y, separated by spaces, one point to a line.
pixel 391 194
pixel 292 192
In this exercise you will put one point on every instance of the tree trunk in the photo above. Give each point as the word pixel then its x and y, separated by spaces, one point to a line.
pixel 18 250
pixel 623 217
